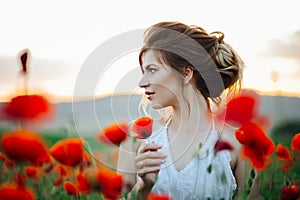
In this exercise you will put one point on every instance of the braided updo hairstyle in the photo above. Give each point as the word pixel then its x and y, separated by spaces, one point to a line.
pixel 217 67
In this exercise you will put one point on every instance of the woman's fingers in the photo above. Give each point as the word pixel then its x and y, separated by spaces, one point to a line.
pixel 149 155
pixel 150 162
pixel 147 170
pixel 150 147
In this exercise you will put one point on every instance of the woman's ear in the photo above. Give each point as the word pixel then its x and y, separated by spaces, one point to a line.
pixel 187 74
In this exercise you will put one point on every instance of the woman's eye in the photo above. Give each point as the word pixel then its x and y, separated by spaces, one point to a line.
pixel 152 70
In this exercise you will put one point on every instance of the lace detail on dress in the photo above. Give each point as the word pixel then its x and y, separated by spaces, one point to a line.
pixel 207 175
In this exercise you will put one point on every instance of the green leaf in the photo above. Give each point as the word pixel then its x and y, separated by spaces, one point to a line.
pixel 223 178
pixel 200 145
pixel 247 192
pixel 250 182
pixel 209 168
pixel 252 173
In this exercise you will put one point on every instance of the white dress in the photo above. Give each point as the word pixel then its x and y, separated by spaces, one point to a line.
pixel 206 176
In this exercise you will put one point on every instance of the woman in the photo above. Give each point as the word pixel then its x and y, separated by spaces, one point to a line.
pixel 188 71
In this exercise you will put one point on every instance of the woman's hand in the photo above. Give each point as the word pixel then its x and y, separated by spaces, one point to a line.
pixel 148 162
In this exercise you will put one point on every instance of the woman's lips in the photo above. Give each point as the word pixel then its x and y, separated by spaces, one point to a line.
pixel 149 94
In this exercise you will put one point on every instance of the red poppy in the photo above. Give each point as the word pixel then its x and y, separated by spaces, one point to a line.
pixel 222 145
pixel 83 184
pixel 143 127
pixel 60 170
pixel 9 163
pixel 114 133
pixel 68 151
pixel 23 145
pixel 27 107
pixel 12 191
pixel 296 142
pixel 71 188
pixel 153 196
pixel 62 173
pixel 31 172
pixel 2 157
pixel 290 192
pixel 86 161
pixel 284 155
pixel 286 165
pixel 240 109
pixel 256 145
pixel 110 182
pixel 282 152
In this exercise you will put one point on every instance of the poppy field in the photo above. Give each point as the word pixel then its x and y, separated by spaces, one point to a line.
pixel 65 166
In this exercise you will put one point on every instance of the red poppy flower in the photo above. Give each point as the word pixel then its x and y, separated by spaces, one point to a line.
pixel 114 133
pixel 296 142
pixel 11 191
pixel 24 145
pixel 60 170
pixel 31 172
pixel 68 151
pixel 143 127
pixel 240 109
pixel 256 145
pixel 71 188
pixel 83 184
pixel 222 145
pixel 284 155
pixel 27 107
pixel 9 163
pixel 110 182
pixel 282 152
pixel 2 157
pixel 153 196
pixel 290 192
pixel 86 161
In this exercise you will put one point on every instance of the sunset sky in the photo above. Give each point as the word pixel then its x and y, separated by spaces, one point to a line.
pixel 61 36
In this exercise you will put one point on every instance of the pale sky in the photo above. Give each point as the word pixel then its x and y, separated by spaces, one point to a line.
pixel 62 34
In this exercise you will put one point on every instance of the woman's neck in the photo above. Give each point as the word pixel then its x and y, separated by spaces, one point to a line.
pixel 191 116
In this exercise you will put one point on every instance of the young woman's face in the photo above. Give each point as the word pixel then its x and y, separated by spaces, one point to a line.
pixel 161 82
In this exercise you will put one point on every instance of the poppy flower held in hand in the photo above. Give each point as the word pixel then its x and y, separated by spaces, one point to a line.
pixel 68 151
pixel 257 147
pixel 143 127
pixel 24 145
pixel 114 133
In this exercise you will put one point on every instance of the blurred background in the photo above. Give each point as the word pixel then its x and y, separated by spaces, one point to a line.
pixel 62 36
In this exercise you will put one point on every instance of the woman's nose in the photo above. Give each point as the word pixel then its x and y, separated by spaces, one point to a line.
pixel 144 82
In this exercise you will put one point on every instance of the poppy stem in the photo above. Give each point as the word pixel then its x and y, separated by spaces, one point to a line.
pixel 25 84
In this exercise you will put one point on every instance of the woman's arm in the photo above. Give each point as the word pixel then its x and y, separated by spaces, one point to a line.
pixel 242 174
pixel 241 168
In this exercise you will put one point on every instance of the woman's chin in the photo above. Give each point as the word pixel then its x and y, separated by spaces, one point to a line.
pixel 156 106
